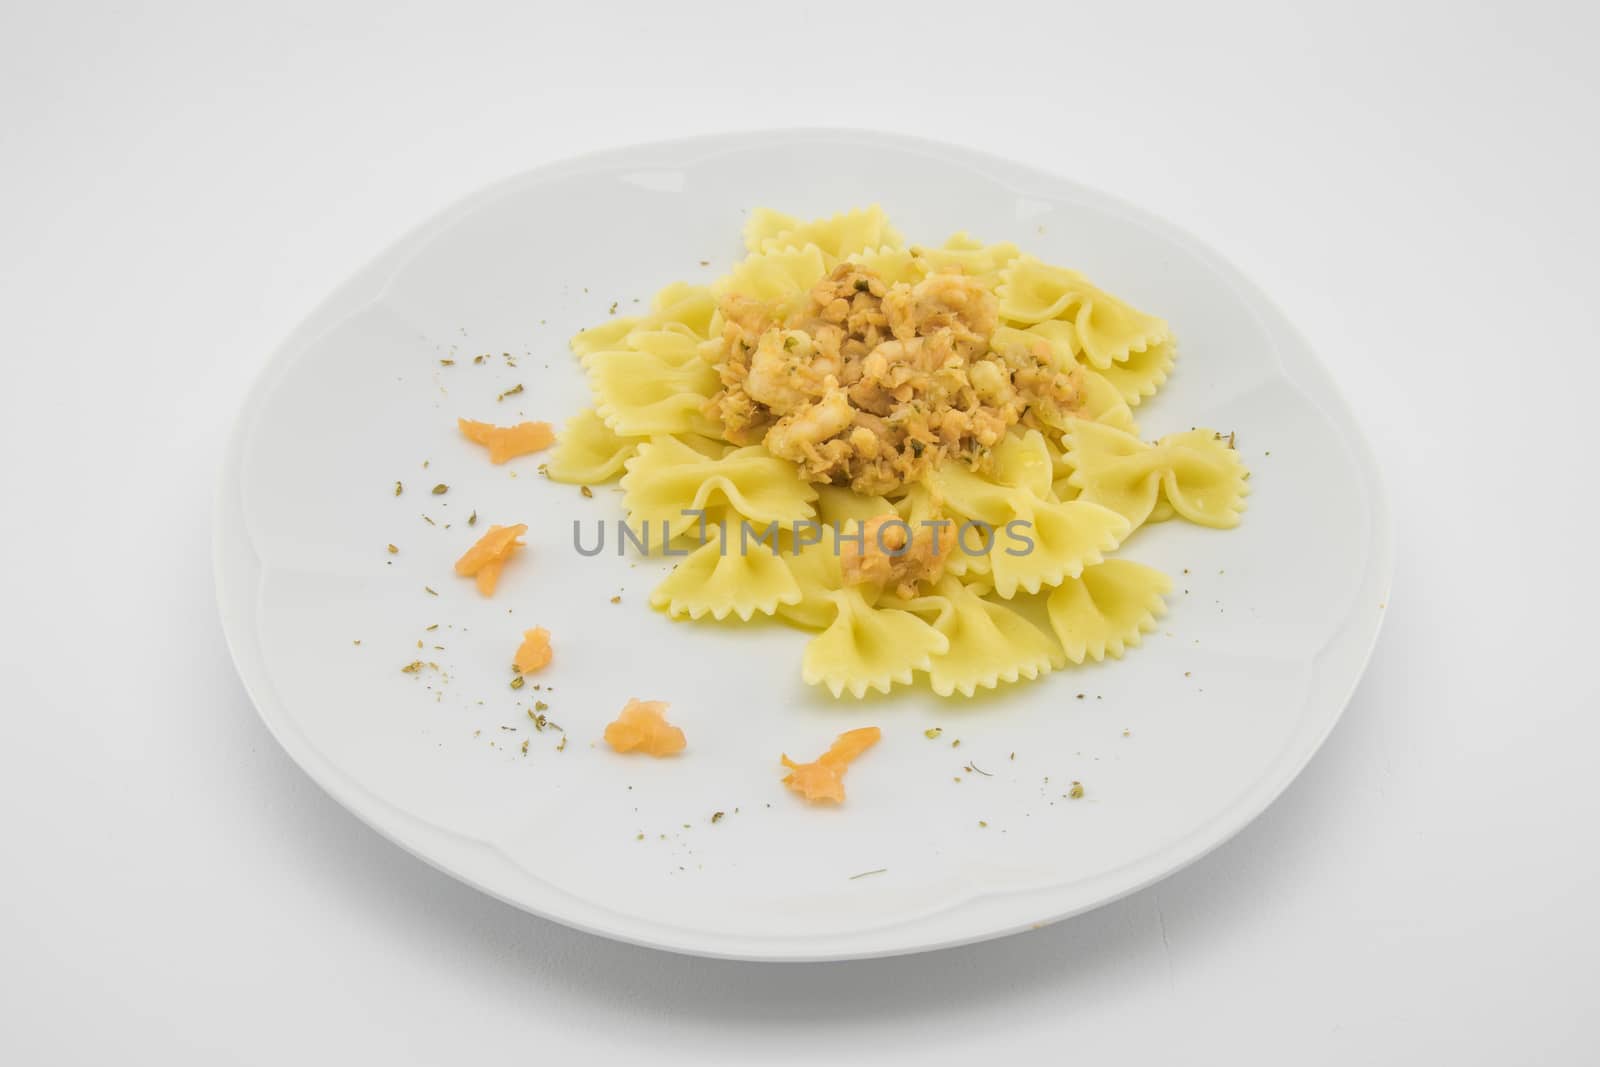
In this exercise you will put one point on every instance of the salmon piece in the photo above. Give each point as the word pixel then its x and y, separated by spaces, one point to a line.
pixel 824 779
pixel 642 727
pixel 488 577
pixel 509 442
pixel 485 559
pixel 535 652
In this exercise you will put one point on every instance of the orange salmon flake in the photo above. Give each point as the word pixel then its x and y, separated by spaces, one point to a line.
pixel 824 779
pixel 535 652
pixel 642 727
pixel 508 442
pixel 484 560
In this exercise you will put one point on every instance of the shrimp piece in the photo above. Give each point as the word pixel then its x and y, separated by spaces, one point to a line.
pixel 810 425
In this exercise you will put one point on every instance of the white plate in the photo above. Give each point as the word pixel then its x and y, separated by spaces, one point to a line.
pixel 1178 745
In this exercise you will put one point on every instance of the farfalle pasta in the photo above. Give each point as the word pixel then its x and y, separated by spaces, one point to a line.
pixel 925 455
pixel 1196 473
pixel 989 643
pixel 671 484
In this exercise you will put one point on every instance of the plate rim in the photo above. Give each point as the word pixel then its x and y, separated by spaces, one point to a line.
pixel 368 284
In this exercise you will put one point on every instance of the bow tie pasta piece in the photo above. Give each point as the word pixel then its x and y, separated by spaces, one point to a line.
pixel 813 555
pixel 1107 608
pixel 990 644
pixel 1112 468
pixel 675 348
pixel 639 394
pixel 1196 473
pixel 1023 461
pixel 1203 478
pixel 1059 337
pixel 1031 291
pixel 837 506
pixel 1060 470
pixel 765 223
pixel 893 265
pixel 680 308
pixel 836 237
pixel 1055 344
pixel 1053 541
pixel 1103 403
pixel 1141 374
pixel 1035 540
pixel 1108 330
pixel 781 279
pixel 869 648
pixel 1112 331
pixel 965 255
pixel 668 477
pixel 588 452
pixel 1133 379
pixel 818 575
pixel 969 495
pixel 711 581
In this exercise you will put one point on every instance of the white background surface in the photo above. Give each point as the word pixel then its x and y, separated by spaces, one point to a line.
pixel 1413 183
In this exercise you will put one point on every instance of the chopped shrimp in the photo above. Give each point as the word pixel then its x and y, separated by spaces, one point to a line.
pixel 870 385
pixel 889 554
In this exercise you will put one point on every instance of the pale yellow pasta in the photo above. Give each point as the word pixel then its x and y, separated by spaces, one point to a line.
pixel 1036 540
pixel 667 480
pixel 1031 291
pixel 588 452
pixel 679 307
pixel 836 236
pixel 964 254
pixel 1108 330
pixel 1107 608
pixel 868 648
pixel 1032 508
pixel 815 569
pixel 1141 374
pixel 893 265
pixel 713 581
pixel 780 278
pixel 763 224
pixel 1196 472
pixel 989 643
pixel 639 394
